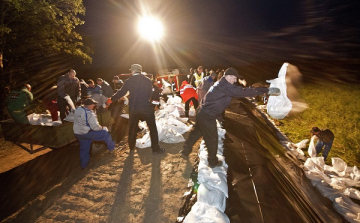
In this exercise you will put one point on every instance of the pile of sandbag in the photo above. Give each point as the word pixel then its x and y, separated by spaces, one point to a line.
pixel 170 125
pixel 213 189
pixel 42 119
pixel 338 183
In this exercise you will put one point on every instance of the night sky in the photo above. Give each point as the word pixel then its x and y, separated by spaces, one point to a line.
pixel 218 33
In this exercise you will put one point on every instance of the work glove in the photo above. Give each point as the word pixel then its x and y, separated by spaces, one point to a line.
pixel 274 91
pixel 105 128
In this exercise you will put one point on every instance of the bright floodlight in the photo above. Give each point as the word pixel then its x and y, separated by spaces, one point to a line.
pixel 150 28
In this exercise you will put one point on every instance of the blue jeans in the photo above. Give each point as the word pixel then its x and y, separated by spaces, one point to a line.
pixel 86 140
pixel 327 147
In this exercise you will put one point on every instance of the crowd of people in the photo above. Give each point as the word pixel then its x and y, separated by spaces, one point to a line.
pixel 210 92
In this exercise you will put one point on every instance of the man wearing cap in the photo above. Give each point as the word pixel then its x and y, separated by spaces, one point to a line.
pixel 140 89
pixel 17 103
pixel 325 139
pixel 87 129
pixel 213 105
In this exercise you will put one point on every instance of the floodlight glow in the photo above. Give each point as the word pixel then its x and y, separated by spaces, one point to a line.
pixel 150 28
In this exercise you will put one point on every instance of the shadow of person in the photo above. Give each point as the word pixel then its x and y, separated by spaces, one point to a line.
pixel 122 189
pixel 154 199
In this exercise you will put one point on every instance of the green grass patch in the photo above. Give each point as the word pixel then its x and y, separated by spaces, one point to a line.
pixel 331 106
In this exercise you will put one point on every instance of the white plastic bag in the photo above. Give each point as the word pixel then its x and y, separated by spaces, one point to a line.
pixel 311 149
pixel 279 106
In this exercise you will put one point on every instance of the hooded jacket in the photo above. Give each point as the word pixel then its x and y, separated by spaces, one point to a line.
pixel 140 89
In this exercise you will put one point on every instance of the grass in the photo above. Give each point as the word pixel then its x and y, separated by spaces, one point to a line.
pixel 331 106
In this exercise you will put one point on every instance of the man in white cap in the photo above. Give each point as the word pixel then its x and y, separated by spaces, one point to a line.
pixel 87 129
pixel 140 106
pixel 213 105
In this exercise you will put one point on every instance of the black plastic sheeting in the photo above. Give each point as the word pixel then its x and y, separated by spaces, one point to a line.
pixel 265 183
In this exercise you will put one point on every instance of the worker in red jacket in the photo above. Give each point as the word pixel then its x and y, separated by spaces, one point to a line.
pixel 188 94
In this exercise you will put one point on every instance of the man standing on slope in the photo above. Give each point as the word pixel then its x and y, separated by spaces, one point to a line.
pixel 213 105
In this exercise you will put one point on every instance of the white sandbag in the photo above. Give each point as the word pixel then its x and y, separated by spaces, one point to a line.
pixel 328 191
pixel 302 144
pixel 216 180
pixel 178 126
pixel 203 213
pixel 339 165
pixel 144 142
pixel 70 117
pixel 352 192
pixel 279 106
pixel 211 197
pixel 311 149
pixel 348 209
pixel 172 136
pixel 315 163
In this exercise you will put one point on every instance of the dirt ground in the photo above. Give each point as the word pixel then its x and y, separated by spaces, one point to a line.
pixel 122 186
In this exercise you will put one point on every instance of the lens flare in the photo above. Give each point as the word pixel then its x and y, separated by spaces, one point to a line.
pixel 150 28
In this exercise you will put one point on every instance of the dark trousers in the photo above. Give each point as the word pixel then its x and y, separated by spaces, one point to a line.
pixel 205 126
pixel 86 140
pixel 149 117
pixel 53 109
pixel 187 105
pixel 63 107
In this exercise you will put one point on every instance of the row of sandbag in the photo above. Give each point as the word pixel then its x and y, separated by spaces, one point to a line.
pixel 213 189
pixel 336 182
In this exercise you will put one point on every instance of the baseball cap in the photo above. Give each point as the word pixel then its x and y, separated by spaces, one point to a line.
pixel 232 71
pixel 136 67
pixel 90 101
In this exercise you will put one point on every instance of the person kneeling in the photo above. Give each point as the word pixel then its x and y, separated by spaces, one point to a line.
pixel 87 129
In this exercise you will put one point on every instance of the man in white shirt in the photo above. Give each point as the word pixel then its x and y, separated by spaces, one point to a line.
pixel 87 129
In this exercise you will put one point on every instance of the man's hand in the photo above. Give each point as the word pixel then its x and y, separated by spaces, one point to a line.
pixel 273 91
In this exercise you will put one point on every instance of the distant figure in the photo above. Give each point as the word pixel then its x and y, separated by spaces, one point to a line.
pixel 325 139
pixel 87 129
pixel 188 94
pixel 95 92
pixel 190 78
pixel 155 98
pixel 105 86
pixel 118 83
pixel 69 91
pixel 17 103
pixel 213 104
pixel 205 85
pixel 198 75
pixel 140 88
pixel 50 102
pixel 93 88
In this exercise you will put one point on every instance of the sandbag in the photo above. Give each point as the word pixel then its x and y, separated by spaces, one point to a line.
pixel 279 106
